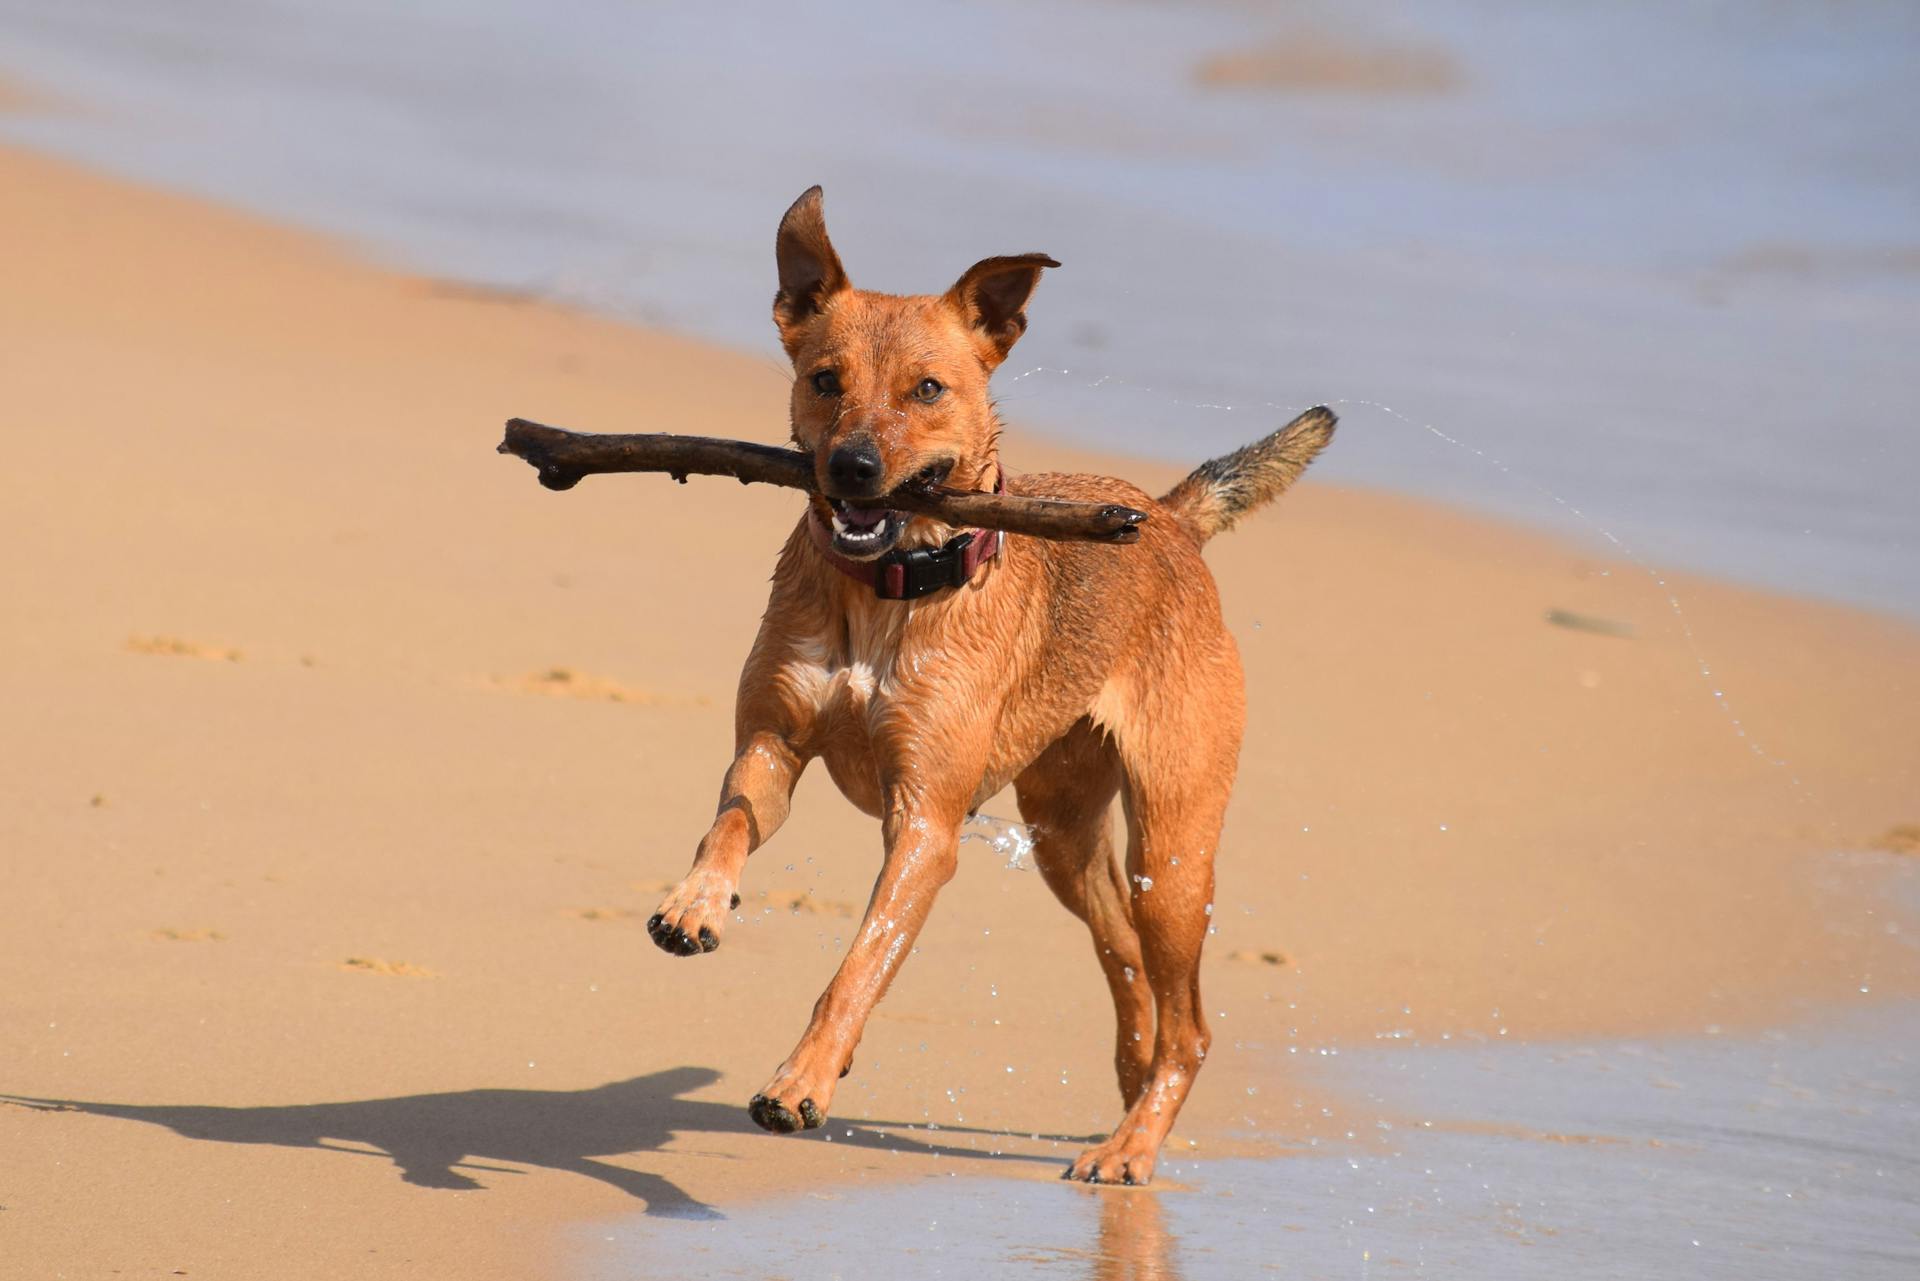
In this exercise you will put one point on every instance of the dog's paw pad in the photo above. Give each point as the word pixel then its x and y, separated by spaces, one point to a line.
pixel 708 939
pixel 735 904
pixel 810 1115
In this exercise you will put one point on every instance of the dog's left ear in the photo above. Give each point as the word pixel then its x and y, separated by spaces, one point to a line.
pixel 992 297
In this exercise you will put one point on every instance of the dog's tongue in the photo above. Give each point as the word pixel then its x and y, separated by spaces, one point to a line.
pixel 862 518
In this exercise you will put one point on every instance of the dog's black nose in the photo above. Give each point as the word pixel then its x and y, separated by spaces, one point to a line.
pixel 855 469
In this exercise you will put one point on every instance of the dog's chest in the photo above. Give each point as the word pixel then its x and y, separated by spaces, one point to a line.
pixel 833 690
pixel 845 689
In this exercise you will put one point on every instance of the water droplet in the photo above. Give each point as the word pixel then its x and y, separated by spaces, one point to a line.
pixel 1012 841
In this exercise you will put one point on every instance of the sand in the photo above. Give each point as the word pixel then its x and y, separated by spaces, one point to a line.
pixel 343 764
pixel 1324 61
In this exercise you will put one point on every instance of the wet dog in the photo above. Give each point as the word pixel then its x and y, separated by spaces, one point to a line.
pixel 929 667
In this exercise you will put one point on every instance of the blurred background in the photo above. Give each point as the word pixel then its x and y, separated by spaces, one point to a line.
pixel 1641 271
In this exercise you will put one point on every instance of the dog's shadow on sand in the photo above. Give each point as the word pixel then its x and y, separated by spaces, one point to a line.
pixel 432 1138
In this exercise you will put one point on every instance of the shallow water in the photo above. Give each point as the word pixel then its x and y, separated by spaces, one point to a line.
pixel 1659 262
pixel 1793 1154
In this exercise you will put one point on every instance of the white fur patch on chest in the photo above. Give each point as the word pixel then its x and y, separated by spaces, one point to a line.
pixel 834 683
pixel 830 688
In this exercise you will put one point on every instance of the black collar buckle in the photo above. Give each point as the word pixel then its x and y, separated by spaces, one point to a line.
pixel 922 571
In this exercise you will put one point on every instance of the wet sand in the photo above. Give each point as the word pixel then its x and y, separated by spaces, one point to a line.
pixel 343 764
pixel 1787 1154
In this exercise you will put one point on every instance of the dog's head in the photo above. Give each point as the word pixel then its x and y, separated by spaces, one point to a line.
pixel 891 391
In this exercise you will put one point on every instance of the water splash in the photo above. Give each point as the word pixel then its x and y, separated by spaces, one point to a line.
pixel 1012 841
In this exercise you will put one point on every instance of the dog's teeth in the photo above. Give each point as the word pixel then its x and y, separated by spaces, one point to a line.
pixel 859 535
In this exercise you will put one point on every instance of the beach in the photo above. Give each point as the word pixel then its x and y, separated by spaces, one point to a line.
pixel 1641 268
pixel 344 764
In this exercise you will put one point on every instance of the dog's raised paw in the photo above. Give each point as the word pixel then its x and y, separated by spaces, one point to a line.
pixel 771 1114
pixel 671 938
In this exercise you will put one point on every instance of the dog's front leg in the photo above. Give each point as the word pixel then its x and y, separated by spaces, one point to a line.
pixel 753 804
pixel 923 839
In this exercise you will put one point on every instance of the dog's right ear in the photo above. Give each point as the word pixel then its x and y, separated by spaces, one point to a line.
pixel 810 272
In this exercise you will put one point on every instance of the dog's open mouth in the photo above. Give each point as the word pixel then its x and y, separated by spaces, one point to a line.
pixel 861 533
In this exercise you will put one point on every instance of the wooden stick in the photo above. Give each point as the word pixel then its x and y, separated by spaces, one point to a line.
pixel 562 457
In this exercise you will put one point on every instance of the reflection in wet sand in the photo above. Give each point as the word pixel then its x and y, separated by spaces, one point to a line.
pixel 1135 1244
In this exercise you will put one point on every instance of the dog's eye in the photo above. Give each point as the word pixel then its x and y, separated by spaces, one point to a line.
pixel 928 391
pixel 827 383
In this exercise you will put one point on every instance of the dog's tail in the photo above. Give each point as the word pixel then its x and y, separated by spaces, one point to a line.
pixel 1219 492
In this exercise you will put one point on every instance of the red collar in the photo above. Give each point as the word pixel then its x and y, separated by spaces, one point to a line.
pixel 909 573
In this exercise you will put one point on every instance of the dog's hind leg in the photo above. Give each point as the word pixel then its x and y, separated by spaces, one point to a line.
pixel 1178 759
pixel 753 803
pixel 1066 797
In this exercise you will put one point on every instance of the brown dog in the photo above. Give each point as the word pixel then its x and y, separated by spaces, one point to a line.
pixel 930 667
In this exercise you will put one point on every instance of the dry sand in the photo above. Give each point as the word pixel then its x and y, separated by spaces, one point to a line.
pixel 342 764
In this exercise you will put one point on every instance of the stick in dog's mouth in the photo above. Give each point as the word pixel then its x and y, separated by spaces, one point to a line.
pixel 562 458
